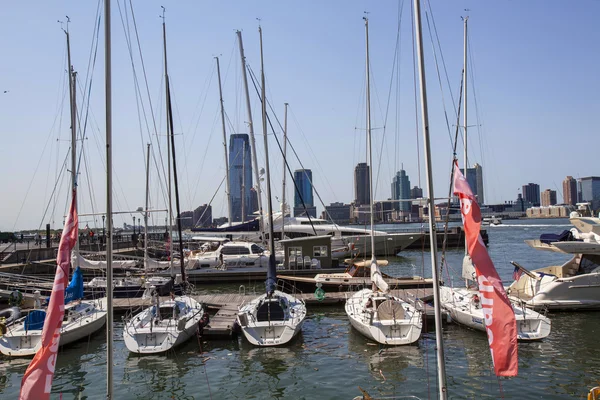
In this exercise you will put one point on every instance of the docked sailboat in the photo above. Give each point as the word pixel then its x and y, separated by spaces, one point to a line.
pixel 275 317
pixel 169 323
pixel 82 318
pixel 375 312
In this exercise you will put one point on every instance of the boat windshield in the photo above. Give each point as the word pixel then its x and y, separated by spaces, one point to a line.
pixel 589 263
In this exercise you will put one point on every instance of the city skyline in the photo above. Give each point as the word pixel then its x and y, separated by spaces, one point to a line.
pixel 527 105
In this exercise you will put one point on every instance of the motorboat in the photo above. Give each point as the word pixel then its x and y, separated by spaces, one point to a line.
pixel 225 254
pixel 163 326
pixel 350 239
pixel 571 286
pixel 356 275
pixel 135 286
pixel 464 307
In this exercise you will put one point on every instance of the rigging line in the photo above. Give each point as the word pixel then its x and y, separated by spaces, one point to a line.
pixel 201 103
pixel 151 108
pixel 437 68
pixel 475 96
pixel 56 185
pixel 297 190
pixel 210 202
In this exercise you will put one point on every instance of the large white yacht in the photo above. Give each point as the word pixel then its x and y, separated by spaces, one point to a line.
pixel 573 285
pixel 347 241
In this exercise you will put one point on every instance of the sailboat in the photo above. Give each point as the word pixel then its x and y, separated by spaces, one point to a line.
pixel 464 304
pixel 374 312
pixel 275 317
pixel 166 324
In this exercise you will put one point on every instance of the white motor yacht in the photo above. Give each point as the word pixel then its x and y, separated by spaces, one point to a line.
pixel 572 285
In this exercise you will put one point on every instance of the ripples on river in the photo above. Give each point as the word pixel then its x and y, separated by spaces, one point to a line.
pixel 329 360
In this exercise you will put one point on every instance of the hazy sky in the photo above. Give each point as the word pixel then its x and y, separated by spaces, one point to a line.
pixel 533 97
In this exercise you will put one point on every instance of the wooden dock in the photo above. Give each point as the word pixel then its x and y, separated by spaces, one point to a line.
pixel 227 305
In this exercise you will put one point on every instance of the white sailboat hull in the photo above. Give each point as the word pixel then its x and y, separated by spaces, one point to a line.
pixel 18 342
pixel 272 326
pixel 399 331
pixel 147 334
pixel 462 308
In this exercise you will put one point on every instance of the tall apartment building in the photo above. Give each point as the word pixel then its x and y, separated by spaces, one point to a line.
pixel 570 191
pixel 590 191
pixel 531 194
pixel 548 198
pixel 474 178
pixel 361 184
pixel 304 193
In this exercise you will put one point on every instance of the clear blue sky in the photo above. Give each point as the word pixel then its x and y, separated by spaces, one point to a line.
pixel 534 97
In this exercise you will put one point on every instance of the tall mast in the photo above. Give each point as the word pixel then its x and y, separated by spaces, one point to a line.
pixel 272 272
pixel 369 152
pixel 441 366
pixel 251 127
pixel 243 194
pixel 109 223
pixel 228 186
pixel 172 137
pixel 169 133
pixel 284 173
pixel 146 210
pixel 465 94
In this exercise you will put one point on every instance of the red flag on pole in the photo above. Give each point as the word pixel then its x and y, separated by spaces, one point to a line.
pixel 37 381
pixel 499 315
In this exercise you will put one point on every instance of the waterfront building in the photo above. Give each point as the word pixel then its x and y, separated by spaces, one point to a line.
pixel 531 194
pixel 561 211
pixel 570 191
pixel 202 216
pixel 361 184
pixel 590 191
pixel 240 177
pixel 416 193
pixel 548 198
pixel 303 193
pixel 310 211
pixel 401 191
pixel 337 212
pixel 187 219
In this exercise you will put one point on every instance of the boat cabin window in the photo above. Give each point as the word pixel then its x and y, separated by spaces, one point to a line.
pixel 270 311
pixel 294 235
pixel 319 251
pixel 256 249
pixel 351 233
pixel 234 250
pixel 588 264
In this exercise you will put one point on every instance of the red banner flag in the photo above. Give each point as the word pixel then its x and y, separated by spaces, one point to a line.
pixel 499 315
pixel 37 381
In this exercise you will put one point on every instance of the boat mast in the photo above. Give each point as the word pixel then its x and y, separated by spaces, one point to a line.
pixel 441 367
pixel 109 223
pixel 465 95
pixel 243 194
pixel 228 187
pixel 283 206
pixel 146 211
pixel 272 272
pixel 73 109
pixel 169 133
pixel 251 127
pixel 369 152
pixel 172 137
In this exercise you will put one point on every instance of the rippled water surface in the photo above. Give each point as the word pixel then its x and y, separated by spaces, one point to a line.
pixel 329 360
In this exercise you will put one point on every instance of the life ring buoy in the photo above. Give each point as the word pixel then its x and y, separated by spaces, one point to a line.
pixel 319 294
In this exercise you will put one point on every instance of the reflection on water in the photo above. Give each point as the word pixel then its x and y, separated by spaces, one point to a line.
pixel 329 360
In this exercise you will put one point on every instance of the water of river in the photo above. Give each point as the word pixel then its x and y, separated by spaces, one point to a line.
pixel 330 360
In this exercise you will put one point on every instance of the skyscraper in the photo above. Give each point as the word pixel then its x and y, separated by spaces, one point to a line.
pixel 303 179
pixel 474 178
pixel 240 176
pixel 416 193
pixel 570 191
pixel 361 184
pixel 401 191
pixel 590 190
pixel 531 194
pixel 548 198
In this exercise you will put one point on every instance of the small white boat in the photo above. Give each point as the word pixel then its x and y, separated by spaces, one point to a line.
pixel 464 307
pixel 24 337
pixel 229 254
pixel 163 326
pixel 272 320
pixel 384 318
